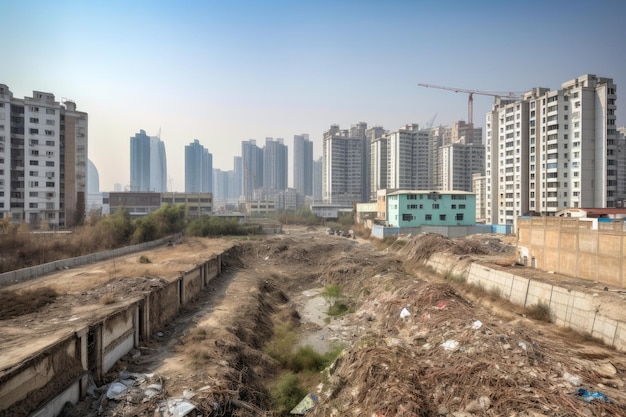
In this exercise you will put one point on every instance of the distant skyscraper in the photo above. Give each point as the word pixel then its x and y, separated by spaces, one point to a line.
pixel 317 180
pixel 235 188
pixel 158 164
pixel 252 168
pixel 148 164
pixel 303 164
pixel 198 169
pixel 275 163
pixel 43 160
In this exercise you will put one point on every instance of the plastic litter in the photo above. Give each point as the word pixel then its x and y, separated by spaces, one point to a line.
pixel 404 313
pixel 176 408
pixel 450 344
pixel 588 397
pixel 118 388
pixel 307 403
pixel 442 305
pixel 522 345
pixel 477 325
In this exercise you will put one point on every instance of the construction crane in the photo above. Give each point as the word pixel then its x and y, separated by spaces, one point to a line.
pixel 470 99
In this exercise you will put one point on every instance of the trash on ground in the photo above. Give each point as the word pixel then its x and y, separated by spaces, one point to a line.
pixel 307 403
pixel 588 397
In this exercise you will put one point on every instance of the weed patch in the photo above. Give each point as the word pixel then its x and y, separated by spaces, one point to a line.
pixel 286 393
pixel 540 312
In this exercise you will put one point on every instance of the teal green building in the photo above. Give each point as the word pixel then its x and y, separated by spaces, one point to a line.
pixel 430 208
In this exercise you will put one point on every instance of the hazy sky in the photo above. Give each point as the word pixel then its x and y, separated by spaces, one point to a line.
pixel 226 71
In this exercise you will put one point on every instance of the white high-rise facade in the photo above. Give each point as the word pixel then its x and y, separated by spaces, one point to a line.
pixel 43 160
pixel 552 150
pixel 344 165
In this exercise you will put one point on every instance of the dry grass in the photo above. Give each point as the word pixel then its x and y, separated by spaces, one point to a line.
pixel 26 302
pixel 108 299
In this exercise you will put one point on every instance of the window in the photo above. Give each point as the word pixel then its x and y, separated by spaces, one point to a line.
pixel 33 162
pixel 459 216
pixel 49 163
pixel 407 217
pixel 435 206
pixel 428 217
pixel 453 206
pixel 442 217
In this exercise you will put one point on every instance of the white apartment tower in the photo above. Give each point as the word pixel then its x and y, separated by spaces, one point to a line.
pixel 552 150
pixel 43 160
pixel 344 165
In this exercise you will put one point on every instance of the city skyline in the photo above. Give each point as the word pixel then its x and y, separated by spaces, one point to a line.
pixel 224 73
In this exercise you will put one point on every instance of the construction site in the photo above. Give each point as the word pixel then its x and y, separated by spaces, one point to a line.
pixel 433 327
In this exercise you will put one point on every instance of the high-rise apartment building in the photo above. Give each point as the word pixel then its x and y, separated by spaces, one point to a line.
pixel 303 164
pixel 275 164
pixel 148 163
pixel 552 150
pixel 425 159
pixel 198 168
pixel 43 160
pixel 458 162
pixel 317 179
pixel 344 165
pixel 252 169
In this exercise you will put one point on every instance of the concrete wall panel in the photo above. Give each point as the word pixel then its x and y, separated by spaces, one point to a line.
pixel 164 305
pixel 588 241
pixel 538 293
pixel 610 245
pixel 604 328
pixel 551 261
pixel 569 240
pixel 587 265
pixel 54 407
pixel 607 266
pixel 192 282
pixel 115 352
pixel 568 263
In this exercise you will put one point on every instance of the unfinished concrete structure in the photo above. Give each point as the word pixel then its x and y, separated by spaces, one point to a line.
pixel 41 370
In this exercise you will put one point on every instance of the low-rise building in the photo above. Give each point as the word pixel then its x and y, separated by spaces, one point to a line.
pixel 430 208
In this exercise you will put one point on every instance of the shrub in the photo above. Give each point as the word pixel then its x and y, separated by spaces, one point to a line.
pixel 338 309
pixel 539 311
pixel 286 393
pixel 144 260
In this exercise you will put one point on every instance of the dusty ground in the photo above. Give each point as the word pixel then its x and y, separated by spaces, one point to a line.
pixel 457 354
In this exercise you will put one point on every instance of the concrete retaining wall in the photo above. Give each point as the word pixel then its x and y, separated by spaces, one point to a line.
pixel 574 309
pixel 41 385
